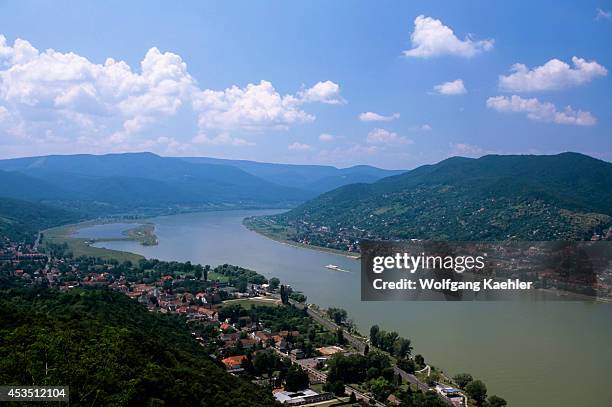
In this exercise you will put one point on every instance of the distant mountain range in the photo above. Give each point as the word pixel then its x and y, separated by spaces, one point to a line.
pixel 115 183
pixel 314 178
pixel 564 196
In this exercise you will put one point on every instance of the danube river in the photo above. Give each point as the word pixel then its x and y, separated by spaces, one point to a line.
pixel 532 353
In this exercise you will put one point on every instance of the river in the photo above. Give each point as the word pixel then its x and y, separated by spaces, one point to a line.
pixel 532 353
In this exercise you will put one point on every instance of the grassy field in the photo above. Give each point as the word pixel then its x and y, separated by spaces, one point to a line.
pixel 81 246
pixel 247 302
pixel 212 276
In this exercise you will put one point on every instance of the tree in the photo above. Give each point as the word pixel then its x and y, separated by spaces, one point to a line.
pixel 496 401
pixel 380 388
pixel 340 336
pixel 366 350
pixel 284 294
pixel 407 365
pixel 198 272
pixel 374 330
pixel 419 360
pixel 296 379
pixel 402 347
pixel 477 390
pixel 206 270
pixel 338 315
pixel 462 379
pixel 336 387
pixel 274 283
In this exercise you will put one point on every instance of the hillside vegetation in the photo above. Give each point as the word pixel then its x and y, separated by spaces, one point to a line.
pixel 564 196
pixel 146 183
pixel 111 351
pixel 21 220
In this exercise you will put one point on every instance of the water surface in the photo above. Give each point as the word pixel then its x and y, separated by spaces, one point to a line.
pixel 532 353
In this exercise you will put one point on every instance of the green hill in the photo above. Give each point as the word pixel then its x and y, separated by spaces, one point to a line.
pixel 118 182
pixel 111 352
pixel 564 196
pixel 21 220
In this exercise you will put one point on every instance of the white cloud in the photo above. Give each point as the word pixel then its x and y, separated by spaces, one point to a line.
pixel 299 147
pixel 431 38
pixel 375 117
pixel 326 137
pixel 426 127
pixel 603 15
pixel 455 87
pixel 541 111
pixel 322 92
pixel 110 106
pixel 254 107
pixel 221 139
pixel 386 137
pixel 553 75
pixel 467 150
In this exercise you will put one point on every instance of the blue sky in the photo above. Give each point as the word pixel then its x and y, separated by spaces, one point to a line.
pixel 288 81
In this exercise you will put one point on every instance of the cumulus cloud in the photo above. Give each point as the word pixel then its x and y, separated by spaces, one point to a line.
pixel 386 137
pixel 455 87
pixel 48 93
pixel 541 111
pixel 432 38
pixel 322 92
pixel 553 75
pixel 375 117
pixel 298 147
pixel 57 87
pixel 253 107
pixel 426 127
pixel 326 137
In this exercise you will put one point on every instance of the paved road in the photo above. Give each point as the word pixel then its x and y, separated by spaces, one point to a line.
pixel 323 378
pixel 358 344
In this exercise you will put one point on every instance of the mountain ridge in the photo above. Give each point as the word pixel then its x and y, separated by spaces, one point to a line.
pixel 494 197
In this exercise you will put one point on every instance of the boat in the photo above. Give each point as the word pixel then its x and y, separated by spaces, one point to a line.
pixel 336 268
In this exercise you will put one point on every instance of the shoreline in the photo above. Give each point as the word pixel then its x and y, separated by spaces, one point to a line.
pixel 250 226
pixel 143 232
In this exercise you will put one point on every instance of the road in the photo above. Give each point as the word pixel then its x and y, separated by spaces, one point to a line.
pixel 360 345
pixel 323 378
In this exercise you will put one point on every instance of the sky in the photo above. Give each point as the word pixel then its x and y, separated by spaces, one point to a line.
pixel 393 84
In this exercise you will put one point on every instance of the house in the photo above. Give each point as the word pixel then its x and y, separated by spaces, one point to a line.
pixel 261 336
pixel 302 397
pixel 234 363
pixel 248 343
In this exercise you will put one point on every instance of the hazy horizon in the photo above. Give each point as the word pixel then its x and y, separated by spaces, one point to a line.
pixel 317 83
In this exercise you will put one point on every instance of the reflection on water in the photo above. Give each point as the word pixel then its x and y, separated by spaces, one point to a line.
pixel 533 353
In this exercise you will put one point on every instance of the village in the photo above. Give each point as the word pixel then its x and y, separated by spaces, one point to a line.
pixel 253 327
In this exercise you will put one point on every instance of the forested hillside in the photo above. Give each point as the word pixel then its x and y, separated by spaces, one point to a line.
pixel 565 196
pixel 21 220
pixel 111 351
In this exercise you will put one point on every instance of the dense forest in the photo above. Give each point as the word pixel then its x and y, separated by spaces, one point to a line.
pixel 111 351
pixel 21 220
pixel 564 196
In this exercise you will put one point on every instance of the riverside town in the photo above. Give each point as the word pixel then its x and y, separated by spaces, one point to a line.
pixel 307 203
